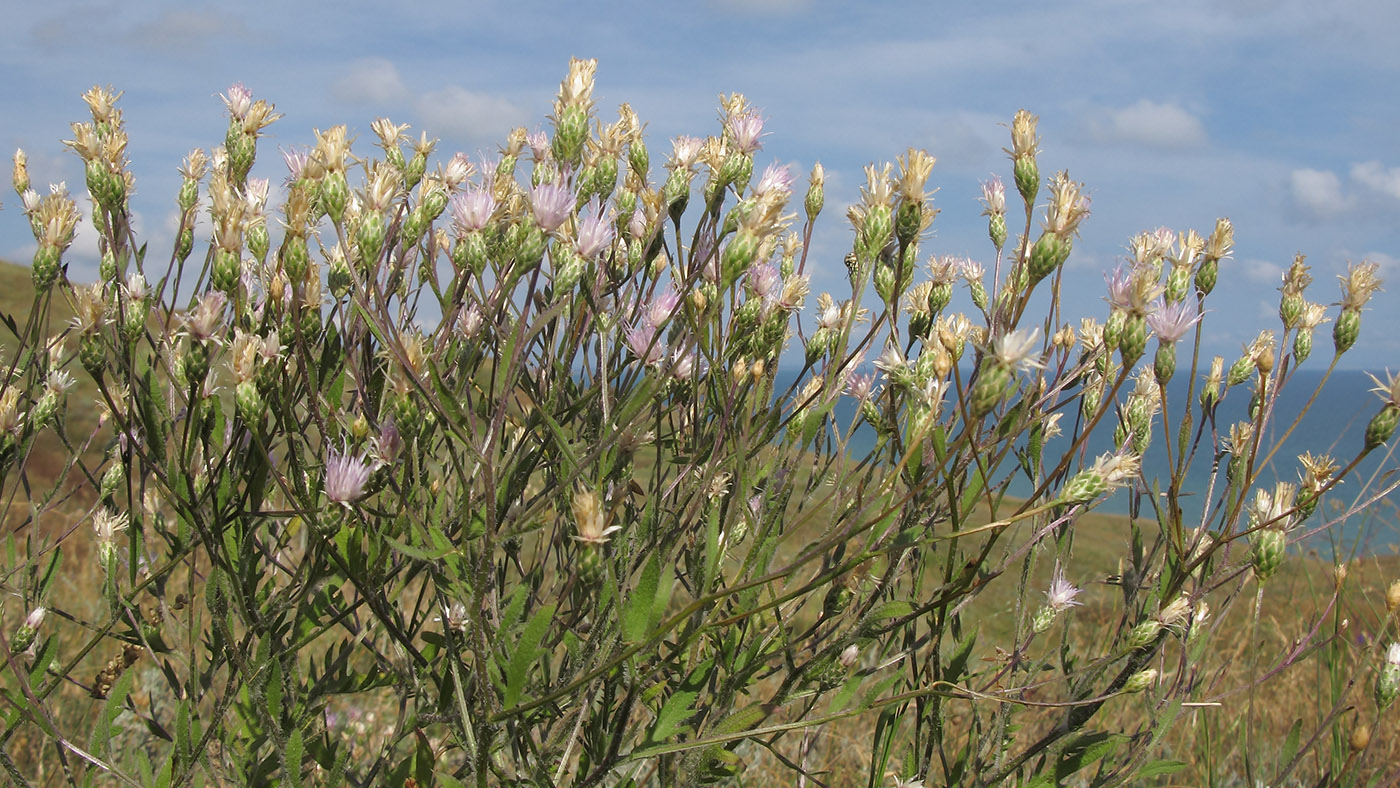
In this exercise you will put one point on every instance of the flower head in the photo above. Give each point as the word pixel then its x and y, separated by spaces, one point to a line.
pixel 1389 391
pixel 1171 322
pixel 1060 596
pixel 643 343
pixel 595 233
pixel 993 197
pixel 1359 285
pixel 550 203
pixel 472 210
pixel 745 128
pixel 239 101
pixel 589 518
pixel 1016 349
pixel 346 476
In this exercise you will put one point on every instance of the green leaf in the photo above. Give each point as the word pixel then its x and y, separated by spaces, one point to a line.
pixel 675 711
pixel 526 652
pixel 116 699
pixel 1158 768
pixel 1290 744
pixel 637 616
pixel 291 758
pixel 843 696
pixel 1084 750
pixel 274 693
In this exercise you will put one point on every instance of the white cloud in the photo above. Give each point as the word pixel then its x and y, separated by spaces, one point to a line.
pixel 455 111
pixel 1377 177
pixel 1317 194
pixel 1151 124
pixel 1262 271
pixel 370 80
pixel 184 30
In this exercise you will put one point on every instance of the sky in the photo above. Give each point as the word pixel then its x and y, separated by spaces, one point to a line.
pixel 1278 114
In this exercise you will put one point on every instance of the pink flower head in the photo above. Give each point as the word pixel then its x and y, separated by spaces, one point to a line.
pixel 595 232
pixel 860 385
pixel 643 343
pixel 1061 594
pixel 346 476
pixel 472 210
pixel 295 159
pixel 239 100
pixel 539 144
pixel 1171 322
pixel 687 363
pixel 776 179
pixel 458 169
pixel 746 129
pixel 994 197
pixel 765 281
pixel 551 204
pixel 660 309
pixel 684 149
pixel 1120 287
pixel 637 225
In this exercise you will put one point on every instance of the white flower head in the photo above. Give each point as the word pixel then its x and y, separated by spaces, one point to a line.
pixel 1060 596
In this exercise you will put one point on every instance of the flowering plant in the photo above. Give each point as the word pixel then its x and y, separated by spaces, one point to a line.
pixel 491 472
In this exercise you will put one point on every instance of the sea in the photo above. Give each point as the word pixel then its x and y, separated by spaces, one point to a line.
pixel 1360 516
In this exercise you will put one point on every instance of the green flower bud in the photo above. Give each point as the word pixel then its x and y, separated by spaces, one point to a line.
pixel 815 201
pixel 294 257
pixel 1113 329
pixel 1388 680
pixel 1027 176
pixel 638 159
pixel 1048 253
pixel 908 217
pixel 185 244
pixel 991 387
pixel 92 353
pixel 1290 309
pixel 250 402
pixel 1382 426
pixel 188 195
pixel 1346 329
pixel 1302 344
pixel 258 241
pixel 1164 364
pixel 1133 342
pixel 996 230
pixel 876 232
pixel 1143 635
pixel 1241 370
pixel 1270 547
pixel 1206 276
pixel 113 480
pixel 369 238
pixel 1140 681
pixel 333 194
pixel 46 266
pixel 224 275
pixel 1178 284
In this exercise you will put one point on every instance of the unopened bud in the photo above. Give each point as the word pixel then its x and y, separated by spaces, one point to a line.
pixel 1392 597
pixel 1140 681
pixel 1360 737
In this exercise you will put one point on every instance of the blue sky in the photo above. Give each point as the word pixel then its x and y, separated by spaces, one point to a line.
pixel 1277 114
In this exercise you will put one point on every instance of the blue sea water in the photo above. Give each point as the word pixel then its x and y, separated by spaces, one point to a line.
pixel 1334 424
